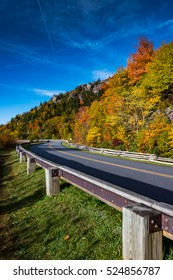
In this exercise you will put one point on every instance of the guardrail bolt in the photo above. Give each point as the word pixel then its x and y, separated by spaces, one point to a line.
pixel 152 221
pixel 166 228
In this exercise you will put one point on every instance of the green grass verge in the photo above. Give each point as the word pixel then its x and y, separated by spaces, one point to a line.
pixel 72 225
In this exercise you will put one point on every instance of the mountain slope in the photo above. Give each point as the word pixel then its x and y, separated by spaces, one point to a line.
pixel 132 110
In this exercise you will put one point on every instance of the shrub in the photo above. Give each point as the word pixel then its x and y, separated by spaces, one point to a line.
pixel 6 141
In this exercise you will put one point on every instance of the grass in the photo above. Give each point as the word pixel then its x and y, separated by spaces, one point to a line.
pixel 72 225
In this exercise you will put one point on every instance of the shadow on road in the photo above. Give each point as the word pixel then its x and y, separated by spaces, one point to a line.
pixel 142 188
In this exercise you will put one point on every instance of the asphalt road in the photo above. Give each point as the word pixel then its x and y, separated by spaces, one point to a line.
pixel 146 179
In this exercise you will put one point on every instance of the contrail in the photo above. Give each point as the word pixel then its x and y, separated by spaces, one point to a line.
pixel 48 33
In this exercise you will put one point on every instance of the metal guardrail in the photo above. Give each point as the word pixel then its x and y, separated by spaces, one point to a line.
pixel 111 194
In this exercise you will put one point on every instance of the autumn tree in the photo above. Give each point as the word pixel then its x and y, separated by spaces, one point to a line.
pixel 139 104
pixel 170 136
pixel 113 102
pixel 160 72
pixel 81 125
pixel 97 127
pixel 51 128
pixel 7 139
pixel 137 63
pixel 94 136
pixel 155 137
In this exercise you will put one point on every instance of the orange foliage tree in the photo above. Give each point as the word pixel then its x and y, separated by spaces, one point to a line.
pixel 81 125
pixel 137 63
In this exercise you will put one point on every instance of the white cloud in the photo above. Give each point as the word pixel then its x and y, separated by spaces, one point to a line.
pixel 165 23
pixel 18 87
pixel 101 74
pixel 14 65
pixel 47 92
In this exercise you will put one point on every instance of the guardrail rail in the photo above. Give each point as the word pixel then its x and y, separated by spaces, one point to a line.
pixel 145 221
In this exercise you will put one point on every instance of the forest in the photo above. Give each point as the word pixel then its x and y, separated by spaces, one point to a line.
pixel 132 110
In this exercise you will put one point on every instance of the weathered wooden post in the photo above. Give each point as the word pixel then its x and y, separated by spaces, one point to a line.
pixel 142 233
pixel 52 181
pixel 30 165
pixel 17 149
pixel 22 157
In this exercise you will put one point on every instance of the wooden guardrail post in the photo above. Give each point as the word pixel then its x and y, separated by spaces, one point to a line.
pixel 22 157
pixel 17 149
pixel 142 233
pixel 52 181
pixel 30 165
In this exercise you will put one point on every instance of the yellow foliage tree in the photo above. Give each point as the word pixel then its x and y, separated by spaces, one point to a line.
pixel 155 138
pixel 94 136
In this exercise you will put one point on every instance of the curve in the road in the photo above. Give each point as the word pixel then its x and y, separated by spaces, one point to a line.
pixel 149 180
pixel 114 164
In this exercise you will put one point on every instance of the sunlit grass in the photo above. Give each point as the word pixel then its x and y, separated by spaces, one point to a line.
pixel 72 225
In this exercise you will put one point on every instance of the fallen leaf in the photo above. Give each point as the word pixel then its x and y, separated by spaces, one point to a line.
pixel 67 237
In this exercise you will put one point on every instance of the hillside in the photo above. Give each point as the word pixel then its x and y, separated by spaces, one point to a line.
pixel 133 110
pixel 53 119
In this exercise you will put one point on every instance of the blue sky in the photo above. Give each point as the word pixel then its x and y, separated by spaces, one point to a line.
pixel 52 46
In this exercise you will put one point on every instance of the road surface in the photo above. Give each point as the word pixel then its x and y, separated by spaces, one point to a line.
pixel 153 181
